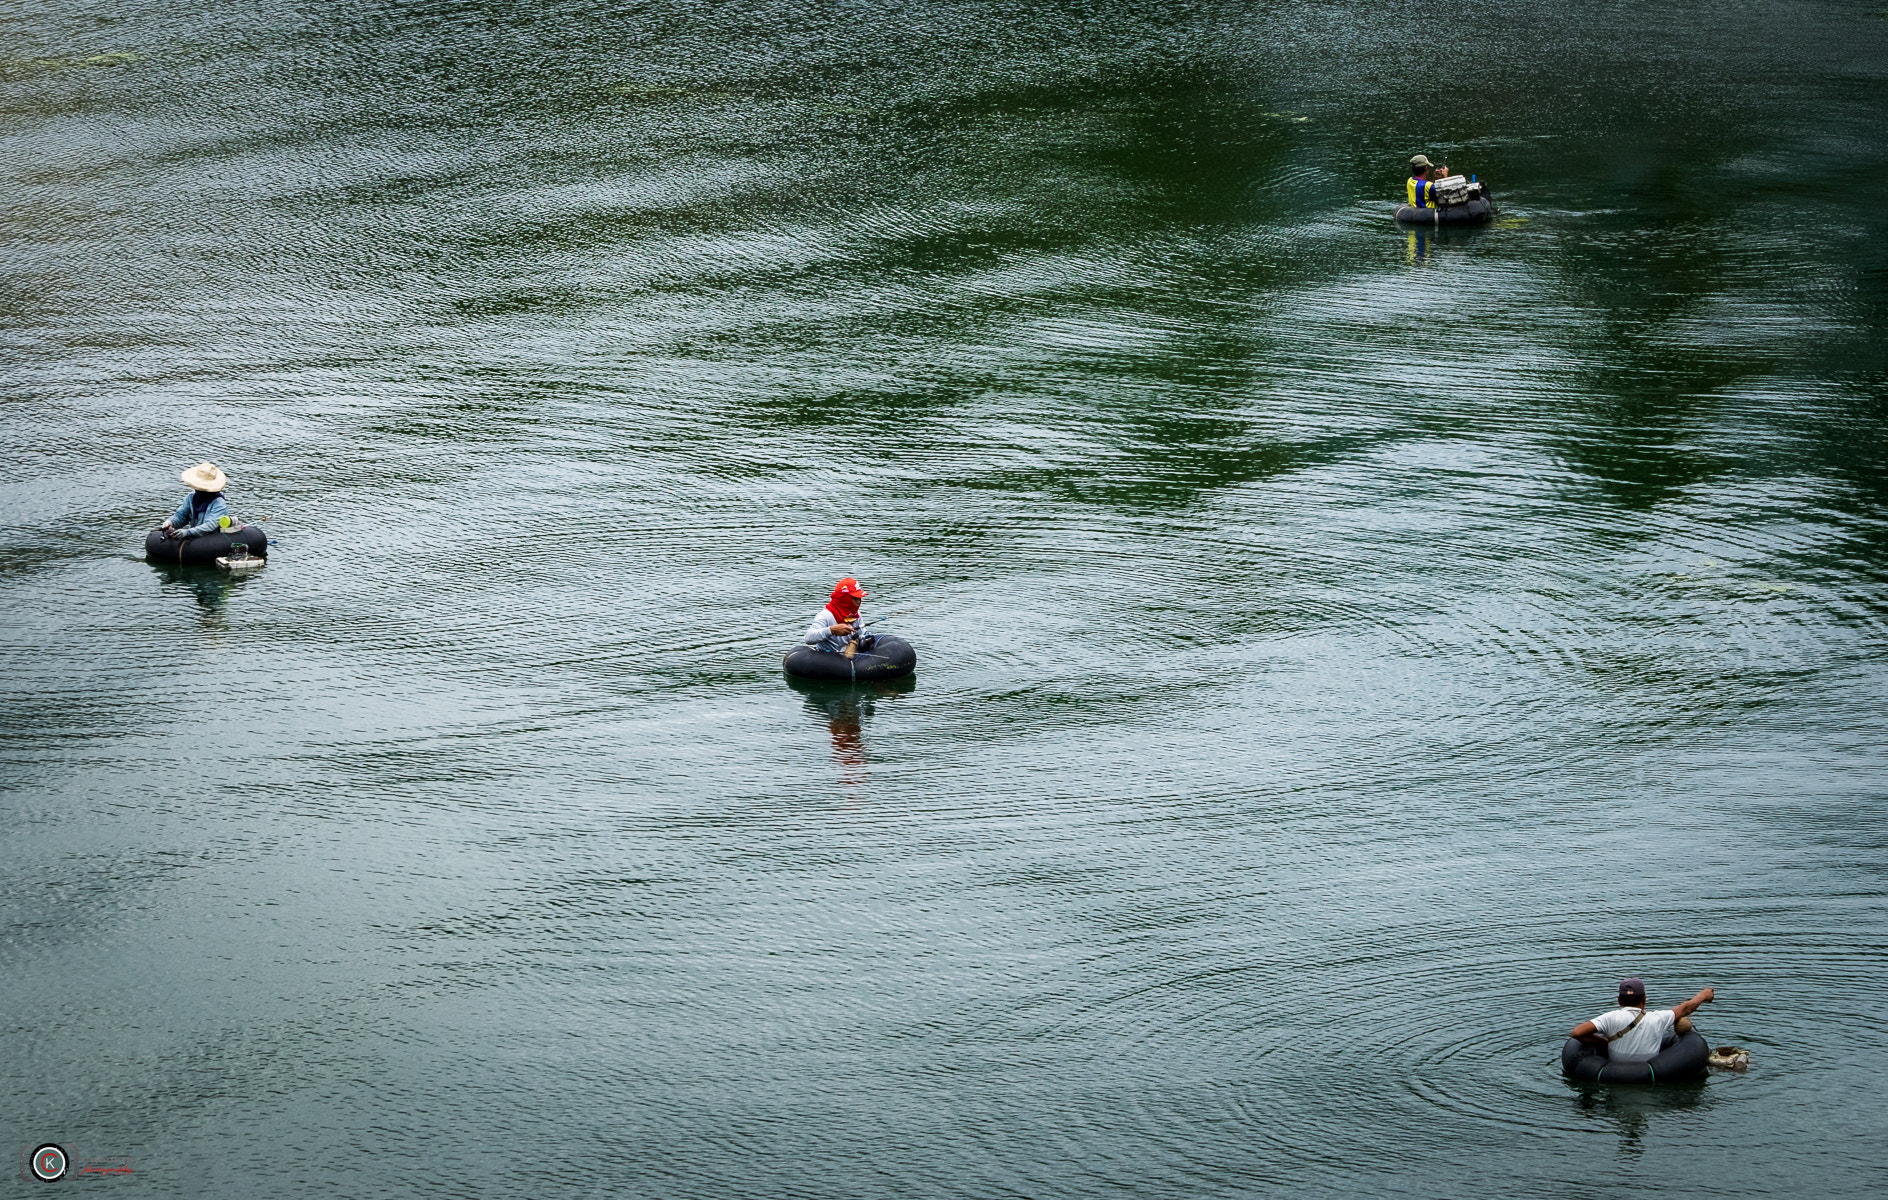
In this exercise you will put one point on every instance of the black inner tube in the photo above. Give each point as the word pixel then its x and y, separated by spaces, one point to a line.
pixel 1472 212
pixel 883 656
pixel 1680 1060
pixel 204 549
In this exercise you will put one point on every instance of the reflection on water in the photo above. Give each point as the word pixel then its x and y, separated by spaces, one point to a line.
pixel 1419 242
pixel 1637 1114
pixel 845 708
pixel 210 587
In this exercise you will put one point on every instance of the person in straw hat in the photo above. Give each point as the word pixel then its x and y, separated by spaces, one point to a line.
pixel 203 507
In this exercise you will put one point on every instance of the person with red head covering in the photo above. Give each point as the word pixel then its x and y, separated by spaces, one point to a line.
pixel 833 625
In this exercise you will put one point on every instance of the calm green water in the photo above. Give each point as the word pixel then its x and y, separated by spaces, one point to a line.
pixel 1343 654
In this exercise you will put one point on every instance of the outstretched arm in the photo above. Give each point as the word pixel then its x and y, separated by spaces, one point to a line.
pixel 1681 1011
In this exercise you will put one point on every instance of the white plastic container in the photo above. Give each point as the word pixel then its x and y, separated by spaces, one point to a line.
pixel 239 559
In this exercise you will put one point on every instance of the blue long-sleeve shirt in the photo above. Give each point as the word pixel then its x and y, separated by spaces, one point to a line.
pixel 205 519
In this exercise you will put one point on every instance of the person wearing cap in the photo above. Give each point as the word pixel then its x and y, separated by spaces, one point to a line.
pixel 1631 1033
pixel 1419 181
pixel 203 507
pixel 832 626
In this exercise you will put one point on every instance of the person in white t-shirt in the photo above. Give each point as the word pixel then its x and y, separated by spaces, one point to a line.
pixel 1630 1033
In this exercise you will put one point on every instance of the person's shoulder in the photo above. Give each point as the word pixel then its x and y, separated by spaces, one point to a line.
pixel 1612 1019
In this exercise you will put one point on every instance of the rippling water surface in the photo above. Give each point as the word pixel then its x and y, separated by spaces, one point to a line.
pixel 1345 653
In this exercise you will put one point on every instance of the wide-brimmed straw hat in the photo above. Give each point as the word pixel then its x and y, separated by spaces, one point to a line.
pixel 206 477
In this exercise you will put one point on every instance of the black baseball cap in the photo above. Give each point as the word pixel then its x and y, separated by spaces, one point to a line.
pixel 1632 988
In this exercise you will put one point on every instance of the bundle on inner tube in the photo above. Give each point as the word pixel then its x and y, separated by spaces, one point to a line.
pixel 1680 1061
pixel 1458 202
pixel 881 656
pixel 204 549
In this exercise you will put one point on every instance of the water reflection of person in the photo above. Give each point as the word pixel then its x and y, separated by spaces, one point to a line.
pixel 1631 1117
pixel 1633 1109
pixel 211 590
pixel 209 587
pixel 846 724
pixel 845 711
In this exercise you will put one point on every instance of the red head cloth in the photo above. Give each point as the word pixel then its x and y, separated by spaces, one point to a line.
pixel 845 602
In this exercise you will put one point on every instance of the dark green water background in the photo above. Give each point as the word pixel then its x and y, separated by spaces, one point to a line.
pixel 1344 654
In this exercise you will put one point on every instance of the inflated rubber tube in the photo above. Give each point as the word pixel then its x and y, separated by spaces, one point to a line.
pixel 1681 1061
pixel 884 657
pixel 1474 212
pixel 204 549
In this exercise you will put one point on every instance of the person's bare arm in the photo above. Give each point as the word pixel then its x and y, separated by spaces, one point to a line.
pixel 1588 1032
pixel 1681 1011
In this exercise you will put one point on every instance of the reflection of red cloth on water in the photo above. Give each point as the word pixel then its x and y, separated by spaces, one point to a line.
pixel 849 750
pixel 845 602
pixel 848 741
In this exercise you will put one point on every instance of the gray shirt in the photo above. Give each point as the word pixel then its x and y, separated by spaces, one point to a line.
pixel 818 634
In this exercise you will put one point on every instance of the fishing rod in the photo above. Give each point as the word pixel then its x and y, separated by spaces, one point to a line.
pixel 852 640
pixel 903 612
